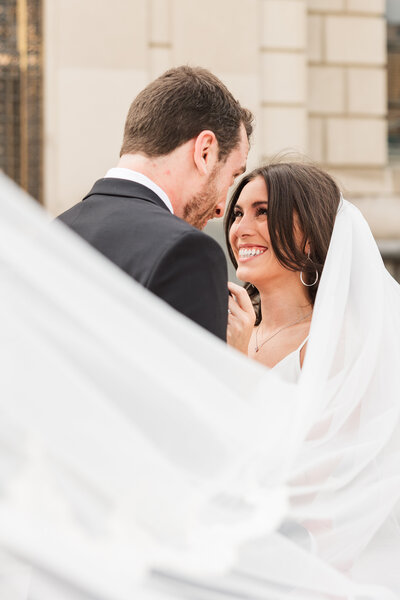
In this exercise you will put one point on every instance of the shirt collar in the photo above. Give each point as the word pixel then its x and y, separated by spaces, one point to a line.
pixel 123 173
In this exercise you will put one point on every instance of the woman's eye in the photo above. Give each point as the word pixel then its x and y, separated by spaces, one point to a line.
pixel 262 211
pixel 237 214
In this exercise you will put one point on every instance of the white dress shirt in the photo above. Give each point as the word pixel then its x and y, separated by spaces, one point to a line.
pixel 122 173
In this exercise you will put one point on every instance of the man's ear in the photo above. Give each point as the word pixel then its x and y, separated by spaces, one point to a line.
pixel 205 152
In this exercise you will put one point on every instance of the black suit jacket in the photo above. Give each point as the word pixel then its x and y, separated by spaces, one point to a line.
pixel 132 226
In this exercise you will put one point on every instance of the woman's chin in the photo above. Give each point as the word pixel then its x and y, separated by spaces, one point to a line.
pixel 242 275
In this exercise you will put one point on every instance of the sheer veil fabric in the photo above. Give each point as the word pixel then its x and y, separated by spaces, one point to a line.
pixel 141 455
pixel 344 484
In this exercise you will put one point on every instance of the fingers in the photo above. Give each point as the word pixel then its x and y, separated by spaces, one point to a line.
pixel 234 308
pixel 241 312
pixel 241 297
pixel 241 318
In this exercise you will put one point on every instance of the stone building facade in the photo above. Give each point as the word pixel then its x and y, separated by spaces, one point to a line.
pixel 314 72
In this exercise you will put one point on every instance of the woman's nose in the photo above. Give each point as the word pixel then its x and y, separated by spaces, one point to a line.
pixel 244 226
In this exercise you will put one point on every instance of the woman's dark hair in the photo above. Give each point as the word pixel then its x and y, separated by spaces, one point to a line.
pixel 300 190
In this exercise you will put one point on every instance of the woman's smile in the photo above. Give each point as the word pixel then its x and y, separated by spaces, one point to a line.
pixel 248 252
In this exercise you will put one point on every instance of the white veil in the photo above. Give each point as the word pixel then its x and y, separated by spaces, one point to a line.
pixel 344 484
pixel 132 441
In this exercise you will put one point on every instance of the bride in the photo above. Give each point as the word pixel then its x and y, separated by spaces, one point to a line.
pixel 133 442
pixel 328 318
pixel 278 226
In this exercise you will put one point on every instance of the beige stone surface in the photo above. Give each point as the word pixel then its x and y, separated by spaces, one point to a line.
pixel 160 21
pixel 284 24
pixel 283 130
pixel 92 106
pixel 93 34
pixel 367 6
pixel 99 55
pixel 355 40
pixel 246 88
pixel 367 91
pixel 160 61
pixel 356 142
pixel 316 137
pixel 326 5
pixel 284 77
pixel 326 90
pixel 212 35
pixel 367 181
pixel 94 67
pixel 315 41
pixel 382 214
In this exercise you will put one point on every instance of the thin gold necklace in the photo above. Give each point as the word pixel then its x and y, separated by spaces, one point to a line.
pixel 257 347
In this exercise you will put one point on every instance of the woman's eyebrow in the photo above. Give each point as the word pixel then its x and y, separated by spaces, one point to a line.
pixel 255 203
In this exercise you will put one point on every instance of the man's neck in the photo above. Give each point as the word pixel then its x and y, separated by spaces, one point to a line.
pixel 162 170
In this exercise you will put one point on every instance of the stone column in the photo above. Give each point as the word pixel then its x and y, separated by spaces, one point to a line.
pixel 96 61
pixel 283 76
pixel 222 36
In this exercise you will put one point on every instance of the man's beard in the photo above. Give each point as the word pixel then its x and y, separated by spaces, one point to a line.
pixel 202 206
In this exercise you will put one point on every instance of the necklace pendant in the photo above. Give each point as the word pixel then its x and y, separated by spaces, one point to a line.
pixel 256 348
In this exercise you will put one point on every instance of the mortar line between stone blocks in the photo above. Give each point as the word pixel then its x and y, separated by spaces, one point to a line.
pixel 161 45
pixel 314 12
pixel 283 50
pixel 351 166
pixel 348 116
pixel 318 63
pixel 266 104
pixel 341 13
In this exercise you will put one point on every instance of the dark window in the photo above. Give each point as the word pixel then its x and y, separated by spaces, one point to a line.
pixel 21 93
pixel 393 42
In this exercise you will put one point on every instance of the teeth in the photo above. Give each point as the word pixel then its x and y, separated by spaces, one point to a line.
pixel 246 252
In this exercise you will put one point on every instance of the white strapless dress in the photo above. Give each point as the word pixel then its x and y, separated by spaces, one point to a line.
pixel 289 368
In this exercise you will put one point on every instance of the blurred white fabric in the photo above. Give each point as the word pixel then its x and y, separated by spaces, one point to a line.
pixel 139 454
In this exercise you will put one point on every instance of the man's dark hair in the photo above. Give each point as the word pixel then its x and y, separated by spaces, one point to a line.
pixel 177 106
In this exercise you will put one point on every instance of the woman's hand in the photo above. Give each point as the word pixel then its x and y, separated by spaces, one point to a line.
pixel 241 318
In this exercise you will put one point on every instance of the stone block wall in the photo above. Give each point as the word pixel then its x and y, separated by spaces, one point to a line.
pixel 347 83
pixel 283 76
pixel 312 71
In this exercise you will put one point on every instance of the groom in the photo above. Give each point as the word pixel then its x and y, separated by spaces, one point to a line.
pixel 185 141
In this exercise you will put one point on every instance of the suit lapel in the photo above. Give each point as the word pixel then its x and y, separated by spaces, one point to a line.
pixel 110 186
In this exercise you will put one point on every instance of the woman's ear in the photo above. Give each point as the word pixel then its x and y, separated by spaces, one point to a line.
pixel 205 152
